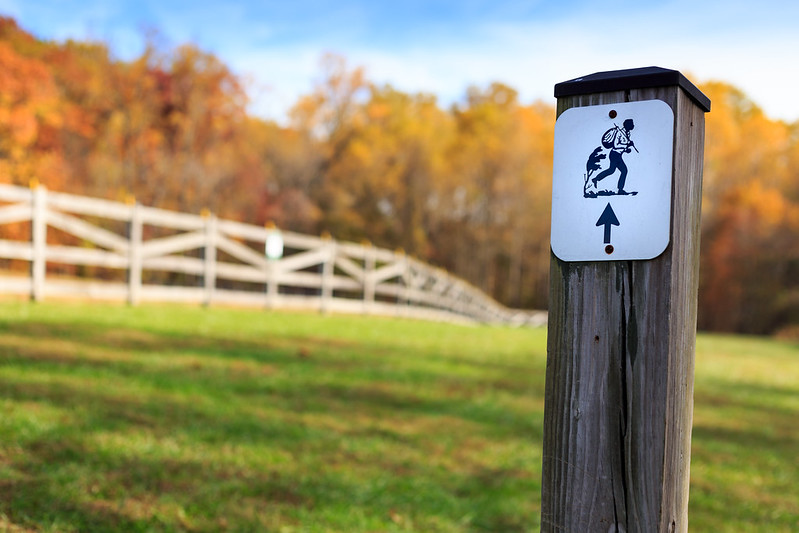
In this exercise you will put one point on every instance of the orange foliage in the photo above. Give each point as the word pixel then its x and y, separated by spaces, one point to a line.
pixel 750 215
pixel 467 188
pixel 30 117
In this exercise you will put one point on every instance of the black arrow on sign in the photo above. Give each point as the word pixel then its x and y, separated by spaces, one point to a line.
pixel 607 219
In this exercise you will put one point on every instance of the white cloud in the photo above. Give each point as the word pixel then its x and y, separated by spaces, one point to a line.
pixel 749 46
pixel 533 57
pixel 279 77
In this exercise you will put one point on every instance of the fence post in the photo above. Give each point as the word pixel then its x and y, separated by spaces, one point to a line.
pixel 402 282
pixel 272 286
pixel 369 264
pixel 410 297
pixel 273 247
pixel 622 324
pixel 38 240
pixel 135 231
pixel 328 269
pixel 209 272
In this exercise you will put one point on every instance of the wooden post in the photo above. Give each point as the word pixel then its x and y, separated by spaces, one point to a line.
pixel 272 286
pixel 273 248
pixel 369 264
pixel 134 252
pixel 209 275
pixel 620 350
pixel 402 290
pixel 328 269
pixel 38 240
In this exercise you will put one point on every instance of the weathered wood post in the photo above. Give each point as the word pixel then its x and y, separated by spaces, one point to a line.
pixel 328 270
pixel 38 240
pixel 622 310
pixel 403 283
pixel 209 256
pixel 273 247
pixel 135 234
pixel 369 263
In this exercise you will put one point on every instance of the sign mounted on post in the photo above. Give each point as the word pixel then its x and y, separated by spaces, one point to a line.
pixel 618 407
pixel 611 187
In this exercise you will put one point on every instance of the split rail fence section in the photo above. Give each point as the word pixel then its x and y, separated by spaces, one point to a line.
pixel 128 251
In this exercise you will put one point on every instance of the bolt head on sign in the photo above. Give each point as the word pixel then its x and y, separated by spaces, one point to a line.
pixel 611 184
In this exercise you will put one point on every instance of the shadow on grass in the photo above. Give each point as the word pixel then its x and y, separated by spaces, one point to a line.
pixel 744 458
pixel 41 505
pixel 757 411
pixel 304 433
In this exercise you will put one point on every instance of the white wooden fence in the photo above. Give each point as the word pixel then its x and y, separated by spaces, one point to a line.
pixel 160 255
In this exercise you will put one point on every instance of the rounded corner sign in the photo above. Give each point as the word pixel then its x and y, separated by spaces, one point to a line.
pixel 611 182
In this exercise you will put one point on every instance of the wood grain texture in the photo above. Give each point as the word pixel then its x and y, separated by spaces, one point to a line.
pixel 620 364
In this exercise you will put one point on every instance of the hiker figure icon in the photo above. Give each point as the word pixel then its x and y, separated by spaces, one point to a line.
pixel 615 143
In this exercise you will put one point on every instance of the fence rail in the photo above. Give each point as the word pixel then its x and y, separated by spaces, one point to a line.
pixel 128 251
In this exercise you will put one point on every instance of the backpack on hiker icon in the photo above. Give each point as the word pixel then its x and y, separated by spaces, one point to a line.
pixel 610 137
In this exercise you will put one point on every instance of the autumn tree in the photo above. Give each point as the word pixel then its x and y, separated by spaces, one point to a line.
pixel 392 166
pixel 750 215
pixel 499 196
pixel 31 112
pixel 467 188
pixel 287 163
pixel 328 118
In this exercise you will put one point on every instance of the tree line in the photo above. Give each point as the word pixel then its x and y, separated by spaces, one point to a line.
pixel 466 187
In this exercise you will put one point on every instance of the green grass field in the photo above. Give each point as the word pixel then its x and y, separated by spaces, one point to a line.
pixel 188 419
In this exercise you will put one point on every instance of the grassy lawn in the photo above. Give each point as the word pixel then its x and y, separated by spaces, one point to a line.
pixel 187 419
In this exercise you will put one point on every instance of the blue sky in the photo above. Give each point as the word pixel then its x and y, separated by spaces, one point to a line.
pixel 442 47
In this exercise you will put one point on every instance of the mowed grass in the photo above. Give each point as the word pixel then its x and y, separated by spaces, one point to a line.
pixel 187 419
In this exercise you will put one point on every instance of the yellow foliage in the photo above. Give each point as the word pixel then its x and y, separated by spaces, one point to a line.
pixel 467 188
